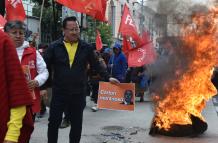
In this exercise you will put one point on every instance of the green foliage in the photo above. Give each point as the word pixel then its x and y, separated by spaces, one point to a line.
pixel 50 26
pixel 39 2
pixel 106 33
pixel 47 16
pixel 104 29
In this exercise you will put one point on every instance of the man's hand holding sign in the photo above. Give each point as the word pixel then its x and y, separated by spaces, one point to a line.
pixel 114 80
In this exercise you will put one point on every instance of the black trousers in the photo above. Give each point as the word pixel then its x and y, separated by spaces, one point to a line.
pixel 43 106
pixel 94 89
pixel 67 114
pixel 75 104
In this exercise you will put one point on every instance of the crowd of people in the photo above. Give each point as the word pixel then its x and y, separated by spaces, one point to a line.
pixel 70 66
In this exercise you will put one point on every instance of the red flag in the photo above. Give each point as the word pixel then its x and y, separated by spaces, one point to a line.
pixel 144 39
pixel 2 22
pixel 99 44
pixel 126 46
pixel 127 25
pixel 101 15
pixel 141 56
pixel 142 53
pixel 14 10
pixel 94 8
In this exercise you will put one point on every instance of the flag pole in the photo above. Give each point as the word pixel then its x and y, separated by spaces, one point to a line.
pixel 40 21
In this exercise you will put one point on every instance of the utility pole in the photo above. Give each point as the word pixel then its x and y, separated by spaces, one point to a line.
pixel 81 24
pixel 55 19
pixel 141 26
pixel 40 21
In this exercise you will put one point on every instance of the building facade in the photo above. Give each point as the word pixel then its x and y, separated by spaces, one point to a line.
pixel 28 7
pixel 31 21
pixel 115 10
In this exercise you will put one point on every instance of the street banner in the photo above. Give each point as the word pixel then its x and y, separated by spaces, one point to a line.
pixel 116 96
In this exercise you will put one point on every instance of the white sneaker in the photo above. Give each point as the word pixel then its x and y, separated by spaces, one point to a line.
pixel 94 108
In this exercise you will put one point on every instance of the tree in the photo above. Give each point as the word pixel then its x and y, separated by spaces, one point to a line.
pixel 46 4
pixel 104 28
pixel 51 23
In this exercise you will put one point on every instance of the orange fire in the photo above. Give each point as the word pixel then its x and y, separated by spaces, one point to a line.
pixel 189 92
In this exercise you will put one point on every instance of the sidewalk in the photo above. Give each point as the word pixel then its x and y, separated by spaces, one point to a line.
pixel 107 126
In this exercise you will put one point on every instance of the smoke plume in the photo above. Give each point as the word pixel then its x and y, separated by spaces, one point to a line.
pixel 174 59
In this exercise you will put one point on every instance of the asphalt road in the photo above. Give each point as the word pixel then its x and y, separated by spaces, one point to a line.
pixel 106 126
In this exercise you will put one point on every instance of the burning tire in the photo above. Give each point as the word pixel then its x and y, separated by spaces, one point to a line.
pixel 196 128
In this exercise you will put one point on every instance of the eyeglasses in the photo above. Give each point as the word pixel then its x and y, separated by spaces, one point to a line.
pixel 73 30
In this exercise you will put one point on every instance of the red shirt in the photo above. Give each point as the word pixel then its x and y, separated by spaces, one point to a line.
pixel 13 89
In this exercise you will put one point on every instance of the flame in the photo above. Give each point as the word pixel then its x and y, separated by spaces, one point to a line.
pixel 188 93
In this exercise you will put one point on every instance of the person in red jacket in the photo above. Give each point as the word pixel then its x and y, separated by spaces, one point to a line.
pixel 16 123
pixel 31 61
